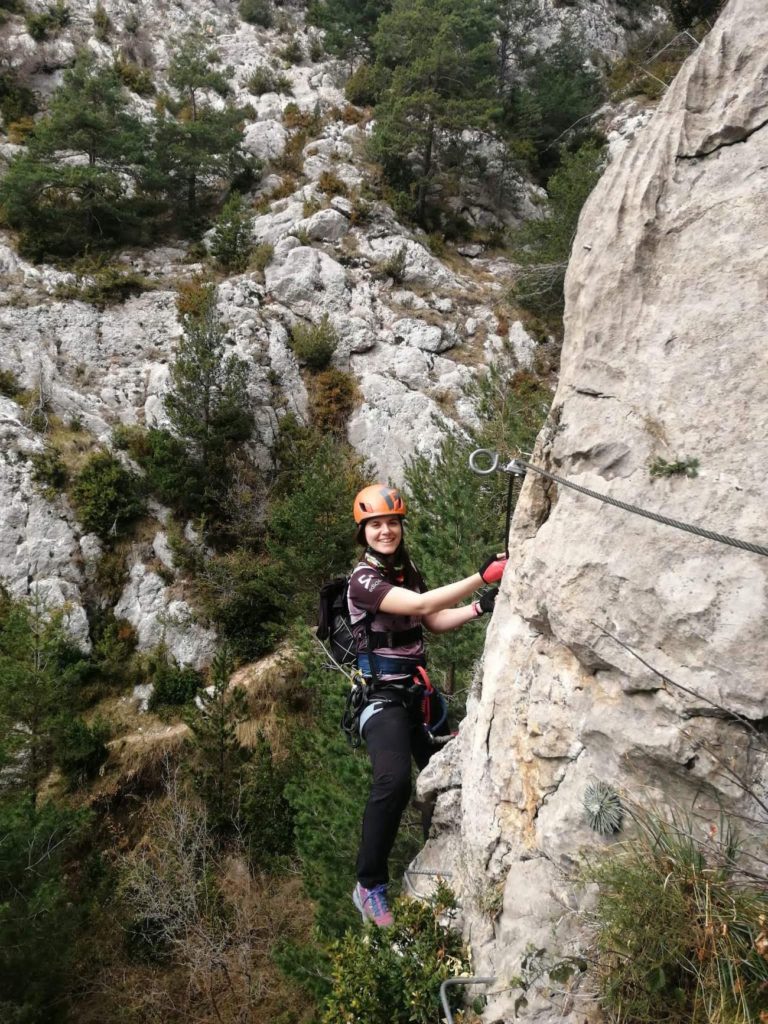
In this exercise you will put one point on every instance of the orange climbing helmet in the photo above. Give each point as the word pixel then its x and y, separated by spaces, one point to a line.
pixel 378 500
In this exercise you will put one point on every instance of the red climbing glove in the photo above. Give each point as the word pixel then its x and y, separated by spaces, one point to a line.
pixel 492 569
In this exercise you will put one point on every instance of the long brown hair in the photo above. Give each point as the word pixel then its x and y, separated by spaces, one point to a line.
pixel 396 563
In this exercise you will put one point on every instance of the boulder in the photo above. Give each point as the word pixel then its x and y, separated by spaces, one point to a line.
pixel 308 280
pixel 265 140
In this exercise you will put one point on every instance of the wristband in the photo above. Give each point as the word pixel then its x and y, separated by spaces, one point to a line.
pixel 477 609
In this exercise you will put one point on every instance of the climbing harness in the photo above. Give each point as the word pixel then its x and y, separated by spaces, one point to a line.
pixel 518 468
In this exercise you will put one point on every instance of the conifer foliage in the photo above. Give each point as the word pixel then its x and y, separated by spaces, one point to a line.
pixel 440 58
pixel 72 188
pixel 207 400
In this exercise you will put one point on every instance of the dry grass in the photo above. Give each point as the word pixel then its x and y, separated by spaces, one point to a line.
pixel 276 700
pixel 215 923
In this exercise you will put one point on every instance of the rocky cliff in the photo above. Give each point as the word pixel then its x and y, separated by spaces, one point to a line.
pixel 664 359
pixel 413 345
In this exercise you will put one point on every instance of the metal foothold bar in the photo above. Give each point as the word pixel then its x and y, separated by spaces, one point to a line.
pixel 458 981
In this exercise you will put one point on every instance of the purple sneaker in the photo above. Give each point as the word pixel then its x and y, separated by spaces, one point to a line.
pixel 372 904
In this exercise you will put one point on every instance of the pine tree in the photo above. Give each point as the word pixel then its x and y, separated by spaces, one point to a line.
pixel 308 531
pixel 70 190
pixel 197 146
pixel 231 244
pixel 221 757
pixel 39 670
pixel 41 910
pixel 441 57
pixel 457 517
pixel 349 24
pixel 207 402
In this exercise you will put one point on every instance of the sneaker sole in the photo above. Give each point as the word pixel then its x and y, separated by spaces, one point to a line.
pixel 358 904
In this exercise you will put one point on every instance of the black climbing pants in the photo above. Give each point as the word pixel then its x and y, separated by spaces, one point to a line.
pixel 392 736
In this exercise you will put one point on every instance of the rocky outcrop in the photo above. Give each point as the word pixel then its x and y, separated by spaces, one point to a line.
pixel 664 358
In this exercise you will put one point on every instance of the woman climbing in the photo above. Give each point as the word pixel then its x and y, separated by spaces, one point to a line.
pixel 388 604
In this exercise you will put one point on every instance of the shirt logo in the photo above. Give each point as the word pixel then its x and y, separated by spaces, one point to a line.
pixel 370 582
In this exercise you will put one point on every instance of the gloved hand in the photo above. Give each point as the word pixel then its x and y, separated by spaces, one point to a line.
pixel 492 568
pixel 484 606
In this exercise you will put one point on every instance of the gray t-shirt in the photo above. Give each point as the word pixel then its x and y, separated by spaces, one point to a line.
pixel 368 586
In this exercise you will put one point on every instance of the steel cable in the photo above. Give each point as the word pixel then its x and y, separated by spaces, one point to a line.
pixel 515 465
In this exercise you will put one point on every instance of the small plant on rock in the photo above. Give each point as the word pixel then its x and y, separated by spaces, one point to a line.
pixel 393 266
pixel 9 384
pixel 331 184
pixel 332 400
pixel 678 467
pixel 102 24
pixel 314 344
pixel 49 470
pixel 293 52
pixel 257 12
pixel 264 80
pixel 261 255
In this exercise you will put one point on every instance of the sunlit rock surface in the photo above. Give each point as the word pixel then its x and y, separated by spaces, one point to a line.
pixel 664 358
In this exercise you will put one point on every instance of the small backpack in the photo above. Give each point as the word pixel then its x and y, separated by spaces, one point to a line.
pixel 334 627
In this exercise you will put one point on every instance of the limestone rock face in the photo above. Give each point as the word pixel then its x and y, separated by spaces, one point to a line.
pixel 160 619
pixel 664 357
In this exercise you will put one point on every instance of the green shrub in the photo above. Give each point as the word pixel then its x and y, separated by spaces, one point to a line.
pixel 261 256
pixel 393 266
pixel 48 22
pixel 678 936
pixel 266 817
pixel 171 475
pixel 17 102
pixel 365 85
pixel 114 641
pixel 231 244
pixel 393 976
pixel 257 12
pixel 332 400
pixel 106 496
pixel 292 52
pixel 314 344
pixel 110 286
pixel 331 184
pixel 135 77
pixel 245 598
pixel 173 685
pixel 81 749
pixel 102 24
pixel 264 80
pixel 9 384
pixel 316 49
pixel 49 470
pixel 543 246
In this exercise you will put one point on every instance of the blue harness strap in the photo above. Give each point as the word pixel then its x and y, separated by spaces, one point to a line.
pixel 387 666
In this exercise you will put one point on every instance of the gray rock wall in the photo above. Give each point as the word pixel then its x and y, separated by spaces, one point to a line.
pixel 664 357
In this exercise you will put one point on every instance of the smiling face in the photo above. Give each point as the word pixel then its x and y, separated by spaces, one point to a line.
pixel 384 533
